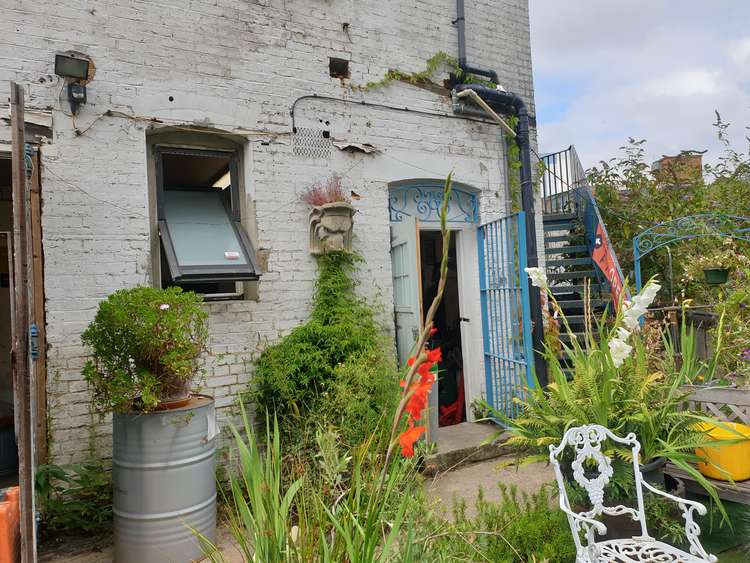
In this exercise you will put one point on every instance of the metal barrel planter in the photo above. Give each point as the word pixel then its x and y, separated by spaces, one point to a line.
pixel 163 468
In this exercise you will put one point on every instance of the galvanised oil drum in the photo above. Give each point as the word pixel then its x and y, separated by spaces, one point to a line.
pixel 163 470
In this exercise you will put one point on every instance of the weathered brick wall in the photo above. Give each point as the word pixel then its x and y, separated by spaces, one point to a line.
pixel 237 66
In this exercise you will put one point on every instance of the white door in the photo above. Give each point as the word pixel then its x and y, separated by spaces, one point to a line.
pixel 407 292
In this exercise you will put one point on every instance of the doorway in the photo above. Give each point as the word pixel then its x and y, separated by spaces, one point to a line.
pixel 8 448
pixel 448 319
pixel 416 249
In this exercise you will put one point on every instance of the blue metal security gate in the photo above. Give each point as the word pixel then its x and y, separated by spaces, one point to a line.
pixel 506 315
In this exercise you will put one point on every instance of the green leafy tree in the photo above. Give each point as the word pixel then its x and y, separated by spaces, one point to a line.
pixel 632 198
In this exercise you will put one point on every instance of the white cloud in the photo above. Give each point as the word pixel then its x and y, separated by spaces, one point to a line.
pixel 654 69
pixel 683 84
pixel 739 52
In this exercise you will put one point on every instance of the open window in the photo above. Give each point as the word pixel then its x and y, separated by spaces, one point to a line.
pixel 204 247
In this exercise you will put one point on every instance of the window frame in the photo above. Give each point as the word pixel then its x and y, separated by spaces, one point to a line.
pixel 209 273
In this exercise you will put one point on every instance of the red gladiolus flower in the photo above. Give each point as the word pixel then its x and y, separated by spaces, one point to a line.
pixel 408 439
pixel 418 400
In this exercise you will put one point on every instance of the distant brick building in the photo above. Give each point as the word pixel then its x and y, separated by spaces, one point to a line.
pixel 683 168
pixel 263 95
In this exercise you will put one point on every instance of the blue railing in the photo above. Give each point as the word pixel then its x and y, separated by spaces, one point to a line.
pixel 565 189
pixel 506 314
pixel 562 175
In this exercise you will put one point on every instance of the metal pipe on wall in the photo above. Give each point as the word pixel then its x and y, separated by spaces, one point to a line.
pixel 462 64
pixel 508 102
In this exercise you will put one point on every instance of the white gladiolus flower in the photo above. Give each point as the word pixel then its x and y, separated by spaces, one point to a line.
pixel 619 350
pixel 648 293
pixel 622 334
pixel 632 317
pixel 538 277
pixel 635 309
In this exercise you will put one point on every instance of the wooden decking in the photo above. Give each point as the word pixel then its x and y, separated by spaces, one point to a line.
pixel 737 492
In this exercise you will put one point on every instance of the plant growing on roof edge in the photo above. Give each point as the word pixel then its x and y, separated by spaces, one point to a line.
pixel 632 199
pixel 423 76
pixel 145 345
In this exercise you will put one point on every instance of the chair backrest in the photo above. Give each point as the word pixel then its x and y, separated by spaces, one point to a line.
pixel 587 442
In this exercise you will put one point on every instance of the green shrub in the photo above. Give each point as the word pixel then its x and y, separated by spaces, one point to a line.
pixel 614 385
pixel 735 331
pixel 336 369
pixel 145 344
pixel 520 527
pixel 631 198
pixel 75 498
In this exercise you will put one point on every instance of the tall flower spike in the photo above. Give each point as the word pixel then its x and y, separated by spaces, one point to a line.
pixel 619 350
pixel 418 401
pixel 538 277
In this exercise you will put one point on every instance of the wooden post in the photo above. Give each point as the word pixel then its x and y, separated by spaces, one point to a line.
pixel 37 295
pixel 20 359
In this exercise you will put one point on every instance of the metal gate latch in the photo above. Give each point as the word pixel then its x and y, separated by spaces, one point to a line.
pixel 34 341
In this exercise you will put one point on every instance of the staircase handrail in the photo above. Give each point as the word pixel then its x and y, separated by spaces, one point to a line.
pixel 566 188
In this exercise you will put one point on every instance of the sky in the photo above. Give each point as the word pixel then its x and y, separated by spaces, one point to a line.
pixel 606 70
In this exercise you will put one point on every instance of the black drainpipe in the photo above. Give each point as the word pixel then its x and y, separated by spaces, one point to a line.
pixel 462 64
pixel 509 103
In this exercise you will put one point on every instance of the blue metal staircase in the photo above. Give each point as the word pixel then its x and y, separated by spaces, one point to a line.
pixel 576 245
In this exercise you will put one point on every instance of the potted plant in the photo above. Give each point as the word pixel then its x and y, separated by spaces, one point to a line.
pixel 146 345
pixel 719 385
pixel 331 218
pixel 717 265
pixel 616 383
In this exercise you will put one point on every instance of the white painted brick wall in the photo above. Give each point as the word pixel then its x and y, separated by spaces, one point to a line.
pixel 237 65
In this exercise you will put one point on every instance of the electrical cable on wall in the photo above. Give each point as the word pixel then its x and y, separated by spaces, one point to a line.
pixel 386 107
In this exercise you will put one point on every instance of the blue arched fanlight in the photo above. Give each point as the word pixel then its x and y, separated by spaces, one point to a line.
pixel 423 198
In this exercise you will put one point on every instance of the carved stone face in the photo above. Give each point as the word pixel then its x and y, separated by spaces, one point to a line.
pixel 331 228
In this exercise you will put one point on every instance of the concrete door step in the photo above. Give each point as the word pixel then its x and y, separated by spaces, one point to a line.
pixel 462 444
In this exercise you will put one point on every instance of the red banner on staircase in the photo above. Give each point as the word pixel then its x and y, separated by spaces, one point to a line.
pixel 604 257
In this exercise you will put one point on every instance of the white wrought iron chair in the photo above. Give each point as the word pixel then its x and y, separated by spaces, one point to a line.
pixel 587 442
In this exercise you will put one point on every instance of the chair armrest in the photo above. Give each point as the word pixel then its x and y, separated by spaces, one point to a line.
pixel 692 529
pixel 700 508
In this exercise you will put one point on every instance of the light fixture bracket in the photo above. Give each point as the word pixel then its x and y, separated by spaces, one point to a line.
pixel 74 68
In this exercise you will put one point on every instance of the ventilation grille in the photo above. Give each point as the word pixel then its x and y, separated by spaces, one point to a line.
pixel 311 143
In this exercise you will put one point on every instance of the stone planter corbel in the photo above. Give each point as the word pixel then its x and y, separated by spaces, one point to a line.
pixel 331 226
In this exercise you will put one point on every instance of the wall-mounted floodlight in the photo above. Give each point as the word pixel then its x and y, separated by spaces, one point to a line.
pixel 75 69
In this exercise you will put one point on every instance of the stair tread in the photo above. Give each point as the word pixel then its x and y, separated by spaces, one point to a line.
pixel 555 217
pixel 569 262
pixel 578 335
pixel 569 249
pixel 562 289
pixel 580 303
pixel 559 238
pixel 572 275
pixel 559 226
